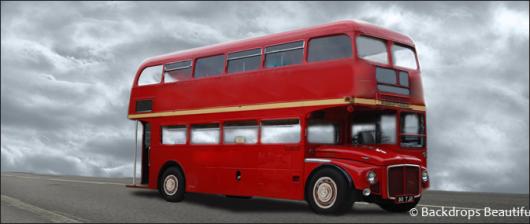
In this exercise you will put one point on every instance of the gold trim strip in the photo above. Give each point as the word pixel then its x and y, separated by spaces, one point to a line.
pixel 305 103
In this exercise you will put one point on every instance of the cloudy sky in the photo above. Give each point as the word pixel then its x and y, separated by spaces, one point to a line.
pixel 67 68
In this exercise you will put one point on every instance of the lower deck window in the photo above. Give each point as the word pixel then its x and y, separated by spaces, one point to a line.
pixel 205 134
pixel 374 128
pixel 245 132
pixel 174 135
pixel 280 131
pixel 322 133
pixel 412 130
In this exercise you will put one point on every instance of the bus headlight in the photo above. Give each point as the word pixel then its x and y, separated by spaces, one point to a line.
pixel 371 176
pixel 424 176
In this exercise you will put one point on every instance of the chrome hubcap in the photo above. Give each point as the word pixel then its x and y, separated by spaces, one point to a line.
pixel 325 192
pixel 171 184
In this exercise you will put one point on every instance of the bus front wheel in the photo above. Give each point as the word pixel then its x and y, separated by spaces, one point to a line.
pixel 171 185
pixel 328 192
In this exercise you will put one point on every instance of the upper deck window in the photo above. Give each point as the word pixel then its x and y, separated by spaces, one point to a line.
pixel 150 75
pixel 404 57
pixel 177 71
pixel 209 66
pixel 328 48
pixel 244 60
pixel 284 54
pixel 371 49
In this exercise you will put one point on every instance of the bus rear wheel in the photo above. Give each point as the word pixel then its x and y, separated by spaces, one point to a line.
pixel 328 192
pixel 171 185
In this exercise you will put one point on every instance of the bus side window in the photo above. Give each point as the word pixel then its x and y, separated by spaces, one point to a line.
pixel 209 66
pixel 329 48
pixel 240 132
pixel 280 131
pixel 150 75
pixel 284 54
pixel 177 71
pixel 322 133
pixel 244 60
pixel 205 134
pixel 174 135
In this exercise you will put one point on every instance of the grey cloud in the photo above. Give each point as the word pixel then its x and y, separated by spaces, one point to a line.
pixel 67 68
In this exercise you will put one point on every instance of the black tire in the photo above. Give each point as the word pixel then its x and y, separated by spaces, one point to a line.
pixel 176 194
pixel 390 206
pixel 332 181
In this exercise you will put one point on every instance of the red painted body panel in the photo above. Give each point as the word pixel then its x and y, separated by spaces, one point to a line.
pixel 277 170
pixel 306 81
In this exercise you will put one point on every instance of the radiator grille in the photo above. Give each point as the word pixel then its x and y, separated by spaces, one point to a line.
pixel 403 180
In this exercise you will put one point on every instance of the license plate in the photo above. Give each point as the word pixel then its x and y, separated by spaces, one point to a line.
pixel 404 199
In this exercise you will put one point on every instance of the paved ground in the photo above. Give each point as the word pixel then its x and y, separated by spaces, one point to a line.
pixel 44 198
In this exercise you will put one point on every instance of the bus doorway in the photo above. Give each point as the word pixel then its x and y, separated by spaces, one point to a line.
pixel 146 148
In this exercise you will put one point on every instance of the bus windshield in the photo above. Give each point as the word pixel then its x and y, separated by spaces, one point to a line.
pixel 404 57
pixel 412 130
pixel 373 128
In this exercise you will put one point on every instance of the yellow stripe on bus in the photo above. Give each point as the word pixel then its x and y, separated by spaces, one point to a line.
pixel 305 103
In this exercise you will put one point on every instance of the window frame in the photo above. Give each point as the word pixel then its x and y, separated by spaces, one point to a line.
pixel 220 126
pixel 400 134
pixel 416 61
pixel 379 113
pixel 303 47
pixel 223 72
pixel 258 125
pixel 398 82
pixel 384 41
pixel 189 66
pixel 152 84
pixel 186 134
pixel 300 139
pixel 260 65
pixel 335 124
pixel 353 48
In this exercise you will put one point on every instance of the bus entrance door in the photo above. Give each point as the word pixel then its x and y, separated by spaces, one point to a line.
pixel 146 148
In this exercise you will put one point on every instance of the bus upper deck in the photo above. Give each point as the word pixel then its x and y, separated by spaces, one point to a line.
pixel 345 62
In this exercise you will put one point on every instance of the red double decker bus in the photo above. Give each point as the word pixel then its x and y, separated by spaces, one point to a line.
pixel 330 114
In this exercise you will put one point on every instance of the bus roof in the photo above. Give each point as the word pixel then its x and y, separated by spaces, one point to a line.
pixel 278 38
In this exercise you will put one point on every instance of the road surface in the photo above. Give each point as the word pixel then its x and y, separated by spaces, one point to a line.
pixel 45 198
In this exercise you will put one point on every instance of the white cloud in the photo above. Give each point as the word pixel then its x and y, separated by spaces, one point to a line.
pixel 510 22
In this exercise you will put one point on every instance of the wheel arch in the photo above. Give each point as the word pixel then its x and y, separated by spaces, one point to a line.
pixel 341 170
pixel 168 164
